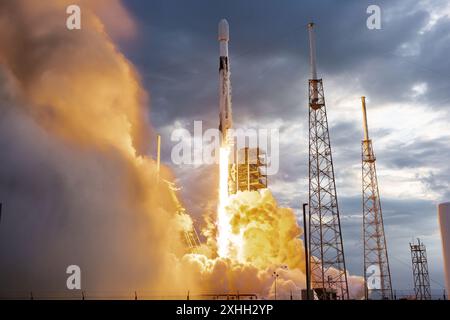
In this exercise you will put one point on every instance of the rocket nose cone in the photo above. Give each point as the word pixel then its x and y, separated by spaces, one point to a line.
pixel 224 30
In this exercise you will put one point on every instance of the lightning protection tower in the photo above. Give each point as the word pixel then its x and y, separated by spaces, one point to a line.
pixel 327 263
pixel 377 275
pixel 420 271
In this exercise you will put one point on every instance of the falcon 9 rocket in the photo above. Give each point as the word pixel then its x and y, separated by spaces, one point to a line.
pixel 226 119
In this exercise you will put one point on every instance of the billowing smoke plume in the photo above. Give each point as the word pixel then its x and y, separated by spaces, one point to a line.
pixel 266 241
pixel 75 183
pixel 265 244
pixel 266 233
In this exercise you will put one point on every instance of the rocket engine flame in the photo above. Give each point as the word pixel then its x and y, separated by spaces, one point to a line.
pixel 223 220
pixel 228 243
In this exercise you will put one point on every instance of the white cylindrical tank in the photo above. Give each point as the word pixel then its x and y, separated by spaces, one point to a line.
pixel 444 225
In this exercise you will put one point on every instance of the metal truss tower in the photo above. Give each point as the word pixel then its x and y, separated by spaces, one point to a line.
pixel 377 275
pixel 420 271
pixel 327 263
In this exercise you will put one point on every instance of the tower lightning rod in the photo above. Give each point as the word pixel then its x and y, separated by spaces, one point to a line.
pixel 312 51
pixel 366 128
pixel 313 62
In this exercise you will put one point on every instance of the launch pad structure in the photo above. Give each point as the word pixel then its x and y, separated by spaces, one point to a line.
pixel 326 251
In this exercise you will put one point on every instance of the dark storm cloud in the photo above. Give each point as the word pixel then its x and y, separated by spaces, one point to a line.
pixel 177 53
pixel 177 56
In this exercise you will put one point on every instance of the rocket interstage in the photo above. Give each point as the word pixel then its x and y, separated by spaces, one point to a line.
pixel 226 119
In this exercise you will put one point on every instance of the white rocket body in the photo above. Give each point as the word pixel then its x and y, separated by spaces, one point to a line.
pixel 226 119
pixel 444 224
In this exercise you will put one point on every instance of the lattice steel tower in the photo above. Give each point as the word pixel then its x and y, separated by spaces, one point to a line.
pixel 327 263
pixel 377 275
pixel 420 271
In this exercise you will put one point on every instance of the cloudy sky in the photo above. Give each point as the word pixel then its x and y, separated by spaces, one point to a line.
pixel 403 69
